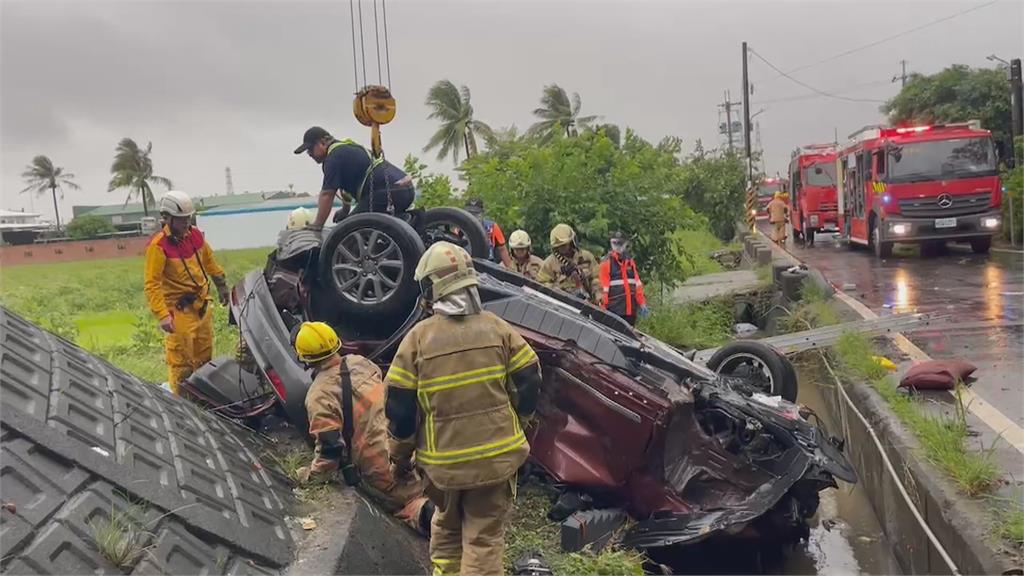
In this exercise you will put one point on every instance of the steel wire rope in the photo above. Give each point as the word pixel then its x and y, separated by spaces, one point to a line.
pixel 376 35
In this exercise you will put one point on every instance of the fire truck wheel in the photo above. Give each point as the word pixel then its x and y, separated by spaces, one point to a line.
pixel 809 234
pixel 981 245
pixel 882 249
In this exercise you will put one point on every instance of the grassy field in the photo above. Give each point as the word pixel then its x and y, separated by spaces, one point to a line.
pixel 100 306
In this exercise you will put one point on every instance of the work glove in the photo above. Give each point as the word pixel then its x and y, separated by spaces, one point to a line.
pixel 167 324
pixel 401 470
pixel 644 311
pixel 223 294
pixel 342 213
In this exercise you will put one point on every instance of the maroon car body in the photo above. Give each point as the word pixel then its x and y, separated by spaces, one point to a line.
pixel 622 417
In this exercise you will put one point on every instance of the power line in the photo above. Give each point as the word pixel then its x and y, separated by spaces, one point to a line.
pixel 836 91
pixel 883 40
pixel 808 86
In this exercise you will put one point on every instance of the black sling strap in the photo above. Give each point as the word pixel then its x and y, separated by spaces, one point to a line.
pixel 347 426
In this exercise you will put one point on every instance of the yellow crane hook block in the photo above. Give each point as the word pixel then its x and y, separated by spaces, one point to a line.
pixel 374 105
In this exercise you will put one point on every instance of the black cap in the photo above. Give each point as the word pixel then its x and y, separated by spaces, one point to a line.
pixel 475 206
pixel 311 137
pixel 618 236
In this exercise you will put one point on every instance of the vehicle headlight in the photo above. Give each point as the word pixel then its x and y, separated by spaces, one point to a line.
pixel 900 228
pixel 990 222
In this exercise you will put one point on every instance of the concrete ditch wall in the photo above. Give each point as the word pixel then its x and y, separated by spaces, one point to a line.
pixel 959 523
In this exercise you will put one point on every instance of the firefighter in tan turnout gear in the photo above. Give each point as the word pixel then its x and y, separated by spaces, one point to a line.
pixel 346 419
pixel 523 260
pixel 569 267
pixel 461 388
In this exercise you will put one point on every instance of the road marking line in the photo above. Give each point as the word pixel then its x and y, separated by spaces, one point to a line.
pixel 1004 427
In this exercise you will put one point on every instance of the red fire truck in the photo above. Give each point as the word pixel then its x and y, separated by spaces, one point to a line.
pixel 812 201
pixel 919 184
pixel 766 189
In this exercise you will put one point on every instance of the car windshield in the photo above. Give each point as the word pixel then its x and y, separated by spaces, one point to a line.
pixel 769 189
pixel 958 158
pixel 827 177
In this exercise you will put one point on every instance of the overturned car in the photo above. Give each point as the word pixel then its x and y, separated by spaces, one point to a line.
pixel 689 453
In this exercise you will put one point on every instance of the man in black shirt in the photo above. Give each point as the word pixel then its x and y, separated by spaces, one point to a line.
pixel 351 170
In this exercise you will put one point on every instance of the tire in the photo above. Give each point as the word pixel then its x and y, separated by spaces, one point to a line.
pixel 771 372
pixel 367 263
pixel 882 249
pixel 809 233
pixel 981 245
pixel 457 226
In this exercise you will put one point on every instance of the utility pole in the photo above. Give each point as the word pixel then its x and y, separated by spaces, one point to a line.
pixel 903 76
pixel 746 120
pixel 1016 129
pixel 727 106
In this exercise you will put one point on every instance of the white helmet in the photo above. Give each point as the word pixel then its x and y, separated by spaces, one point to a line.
pixel 519 239
pixel 177 203
pixel 299 218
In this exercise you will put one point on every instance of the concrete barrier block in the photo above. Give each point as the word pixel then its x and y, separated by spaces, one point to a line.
pixel 764 256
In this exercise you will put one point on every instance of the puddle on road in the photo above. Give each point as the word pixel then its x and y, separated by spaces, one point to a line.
pixel 845 535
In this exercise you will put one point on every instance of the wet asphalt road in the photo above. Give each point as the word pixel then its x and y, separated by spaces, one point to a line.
pixel 983 295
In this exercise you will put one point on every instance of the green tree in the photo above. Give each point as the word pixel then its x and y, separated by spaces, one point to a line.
pixel 956 94
pixel 88 226
pixel 1013 183
pixel 434 189
pixel 611 131
pixel 133 169
pixel 41 176
pixel 558 112
pixel 451 106
pixel 593 185
pixel 714 184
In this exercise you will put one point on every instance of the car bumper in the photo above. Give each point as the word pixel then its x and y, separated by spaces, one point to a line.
pixel 897 228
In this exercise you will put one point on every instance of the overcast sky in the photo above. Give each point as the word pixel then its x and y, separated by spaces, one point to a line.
pixel 216 84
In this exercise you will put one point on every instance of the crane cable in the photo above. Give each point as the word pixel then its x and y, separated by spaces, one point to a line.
pixel 380 19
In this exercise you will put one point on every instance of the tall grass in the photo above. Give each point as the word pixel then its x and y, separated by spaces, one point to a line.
pixel 70 299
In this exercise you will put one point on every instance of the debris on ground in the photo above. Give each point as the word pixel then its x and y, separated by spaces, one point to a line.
pixel 884 363
pixel 531 563
pixel 937 374
pixel 744 329
pixel 307 523
pixel 592 528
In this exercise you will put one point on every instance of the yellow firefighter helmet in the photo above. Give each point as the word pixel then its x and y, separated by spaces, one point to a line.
pixel 443 269
pixel 561 235
pixel 315 342
pixel 519 239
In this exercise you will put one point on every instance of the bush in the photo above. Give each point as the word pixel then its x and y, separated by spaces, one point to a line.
pixel 87 226
pixel 596 187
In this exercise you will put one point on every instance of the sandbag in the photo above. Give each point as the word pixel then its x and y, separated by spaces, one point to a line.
pixel 937 374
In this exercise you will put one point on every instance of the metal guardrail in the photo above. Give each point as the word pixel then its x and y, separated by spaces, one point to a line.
pixel 829 335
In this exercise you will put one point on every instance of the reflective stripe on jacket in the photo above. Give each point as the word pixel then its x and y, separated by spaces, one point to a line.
pixel 622 290
pixel 175 268
pixel 468 433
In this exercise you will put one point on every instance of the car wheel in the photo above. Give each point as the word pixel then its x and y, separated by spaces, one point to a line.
pixel 457 226
pixel 367 262
pixel 981 245
pixel 771 372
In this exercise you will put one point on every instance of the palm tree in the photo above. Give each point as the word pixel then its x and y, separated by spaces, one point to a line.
pixel 458 129
pixel 557 110
pixel 133 169
pixel 42 176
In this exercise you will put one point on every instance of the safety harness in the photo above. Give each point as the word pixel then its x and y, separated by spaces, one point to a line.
pixel 189 299
pixel 374 163
pixel 348 470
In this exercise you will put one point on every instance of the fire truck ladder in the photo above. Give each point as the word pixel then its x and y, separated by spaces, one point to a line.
pixel 829 335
